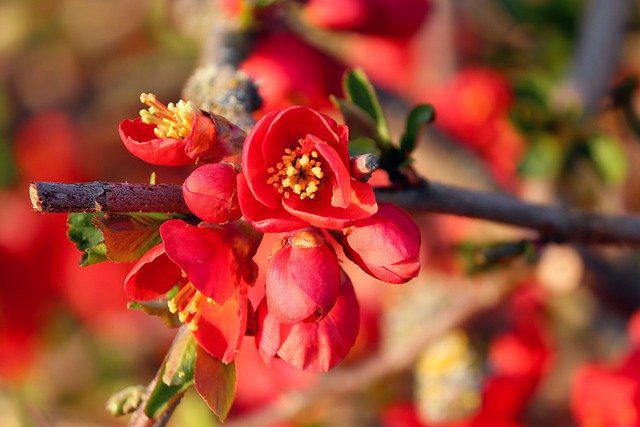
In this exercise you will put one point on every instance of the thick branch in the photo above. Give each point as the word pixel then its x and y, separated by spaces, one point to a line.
pixel 553 222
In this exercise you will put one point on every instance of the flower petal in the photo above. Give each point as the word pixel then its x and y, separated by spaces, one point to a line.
pixel 204 256
pixel 139 139
pixel 220 328
pixel 152 276
pixel 320 213
pixel 263 217
pixel 341 192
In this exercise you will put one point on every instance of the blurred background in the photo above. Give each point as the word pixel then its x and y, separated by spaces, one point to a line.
pixel 533 97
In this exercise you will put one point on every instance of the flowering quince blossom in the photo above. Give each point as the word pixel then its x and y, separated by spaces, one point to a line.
pixel 296 180
pixel 178 134
pixel 295 173
pixel 211 292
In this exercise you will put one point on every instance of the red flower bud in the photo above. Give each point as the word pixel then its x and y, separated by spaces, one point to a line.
pixel 303 278
pixel 210 193
pixel 386 245
pixel 312 346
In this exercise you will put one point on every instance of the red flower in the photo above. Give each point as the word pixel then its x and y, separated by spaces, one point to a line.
pixel 179 134
pixel 303 278
pixel 602 397
pixel 385 245
pixel 210 193
pixel 380 17
pixel 289 71
pixel 295 172
pixel 211 297
pixel 311 346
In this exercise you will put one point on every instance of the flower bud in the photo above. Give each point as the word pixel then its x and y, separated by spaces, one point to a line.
pixel 210 193
pixel 303 278
pixel 312 346
pixel 386 245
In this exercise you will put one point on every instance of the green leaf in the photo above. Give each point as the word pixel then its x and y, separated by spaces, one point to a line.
pixel 215 382
pixel 129 236
pixel 360 124
pixel 180 359
pixel 543 160
pixel 417 120
pixel 609 158
pixel 87 238
pixel 158 308
pixel 94 255
pixel 176 375
pixel 363 145
pixel 359 90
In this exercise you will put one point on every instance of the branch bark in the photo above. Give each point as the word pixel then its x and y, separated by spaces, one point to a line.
pixel 552 222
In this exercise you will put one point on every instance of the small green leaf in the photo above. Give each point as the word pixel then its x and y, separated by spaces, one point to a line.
pixel 129 236
pixel 359 90
pixel 158 308
pixel 609 159
pixel 543 160
pixel 417 120
pixel 94 255
pixel 180 362
pixel 180 359
pixel 363 145
pixel 87 238
pixel 215 382
pixel 360 124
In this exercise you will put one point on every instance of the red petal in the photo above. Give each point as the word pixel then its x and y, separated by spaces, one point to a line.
pixel 139 139
pixel 204 255
pixel 341 194
pixel 320 346
pixel 202 142
pixel 303 278
pixel 319 212
pixel 262 217
pixel 293 124
pixel 254 166
pixel 152 276
pixel 222 327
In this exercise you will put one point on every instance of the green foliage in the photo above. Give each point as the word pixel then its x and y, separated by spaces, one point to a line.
pixel 360 92
pixel 87 238
pixel 215 382
pixel 544 158
pixel 487 256
pixel 117 237
pixel 129 236
pixel 608 158
pixel 176 375
pixel 417 120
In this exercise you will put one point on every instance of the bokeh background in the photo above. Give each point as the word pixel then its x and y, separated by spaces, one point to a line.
pixel 559 350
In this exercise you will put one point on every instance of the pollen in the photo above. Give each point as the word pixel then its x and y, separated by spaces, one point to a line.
pixel 298 172
pixel 172 120
pixel 188 304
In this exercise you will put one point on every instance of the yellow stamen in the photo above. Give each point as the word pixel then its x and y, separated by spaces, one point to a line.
pixel 298 171
pixel 188 304
pixel 171 121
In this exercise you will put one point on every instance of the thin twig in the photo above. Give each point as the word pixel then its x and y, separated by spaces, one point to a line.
pixel 552 222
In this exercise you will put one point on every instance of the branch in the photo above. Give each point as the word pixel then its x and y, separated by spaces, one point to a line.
pixel 553 222
pixel 470 298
